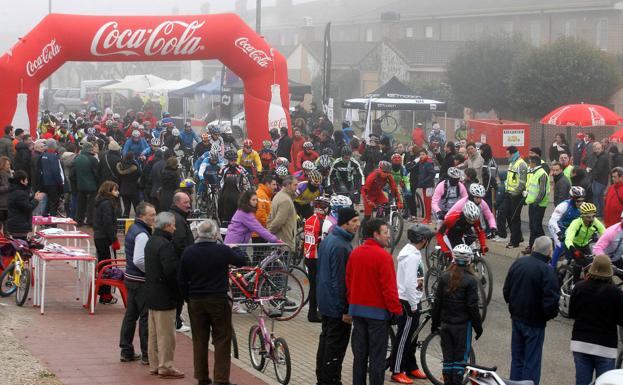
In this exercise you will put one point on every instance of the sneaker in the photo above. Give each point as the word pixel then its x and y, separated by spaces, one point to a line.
pixel 145 359
pixel 512 246
pixel 417 373
pixel 236 308
pixel 107 299
pixel 171 373
pixel 314 318
pixel 426 222
pixel 289 305
pixel 183 329
pixel 133 357
pixel 499 239
pixel 401 378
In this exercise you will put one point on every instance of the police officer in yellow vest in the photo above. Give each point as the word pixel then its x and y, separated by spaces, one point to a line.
pixel 537 198
pixel 515 185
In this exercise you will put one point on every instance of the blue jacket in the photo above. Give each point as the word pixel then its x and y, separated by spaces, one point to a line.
pixel 187 138
pixel 138 148
pixel 133 273
pixel 333 254
pixel 531 290
pixel 51 174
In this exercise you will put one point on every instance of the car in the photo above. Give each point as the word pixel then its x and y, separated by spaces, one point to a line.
pixel 67 100
pixel 237 129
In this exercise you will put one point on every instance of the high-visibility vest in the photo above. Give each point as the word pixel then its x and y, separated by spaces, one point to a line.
pixel 512 177
pixel 532 187
pixel 567 172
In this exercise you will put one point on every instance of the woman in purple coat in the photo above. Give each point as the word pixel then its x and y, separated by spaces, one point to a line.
pixel 244 223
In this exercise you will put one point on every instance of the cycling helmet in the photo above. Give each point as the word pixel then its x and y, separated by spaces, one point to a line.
pixel 385 166
pixel 346 151
pixel 308 146
pixel 282 171
pixel 266 144
pixel 155 142
pixel 588 208
pixel 215 147
pixel 92 109
pixel 163 149
pixel 315 177
pixel 454 173
pixel 187 183
pixel 396 159
pixel 187 124
pixel 65 124
pixel 471 211
pixel 462 254
pixel 205 136
pixel 577 192
pixel 247 143
pixel 477 190
pixel 91 131
pixel 324 162
pixel 136 134
pixel 308 165
pixel 166 114
pixel 135 124
pixel 116 116
pixel 110 123
pixel 418 233
pixel 327 151
pixel 214 129
pixel 322 202
pixel 339 201
pixel 231 155
pixel 214 155
pixel 175 132
pixel 281 161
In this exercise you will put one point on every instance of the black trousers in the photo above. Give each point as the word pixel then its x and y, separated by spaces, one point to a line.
pixel 332 346
pixel 369 344
pixel 102 248
pixel 136 310
pixel 500 219
pixel 313 303
pixel 129 200
pixel 211 314
pixel 178 314
pixel 86 204
pixel 403 351
pixel 54 196
pixel 535 219
pixel 512 209
pixel 455 342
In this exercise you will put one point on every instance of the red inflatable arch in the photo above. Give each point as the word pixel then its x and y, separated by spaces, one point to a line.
pixel 59 38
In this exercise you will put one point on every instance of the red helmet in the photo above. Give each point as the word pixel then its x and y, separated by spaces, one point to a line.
pixel 396 159
pixel 247 143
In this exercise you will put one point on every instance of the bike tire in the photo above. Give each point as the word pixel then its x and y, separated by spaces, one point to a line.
pixel 431 280
pixel 21 293
pixel 482 302
pixel 397 226
pixel 303 277
pixel 7 287
pixel 391 341
pixel 281 287
pixel 298 255
pixel 282 358
pixel 565 279
pixel 432 259
pixel 256 344
pixel 485 276
pixel 420 212
pixel 431 358
pixel 389 124
pixel 234 343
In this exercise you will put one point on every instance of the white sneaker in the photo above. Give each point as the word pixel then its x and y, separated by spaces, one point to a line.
pixel 183 329
pixel 236 308
pixel 499 239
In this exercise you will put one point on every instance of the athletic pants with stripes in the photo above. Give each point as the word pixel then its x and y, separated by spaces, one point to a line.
pixel 403 351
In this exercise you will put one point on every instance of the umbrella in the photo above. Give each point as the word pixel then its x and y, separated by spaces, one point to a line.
pixel 584 115
pixel 617 136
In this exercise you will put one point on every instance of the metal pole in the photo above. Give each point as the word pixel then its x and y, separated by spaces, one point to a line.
pixel 258 16
pixel 48 94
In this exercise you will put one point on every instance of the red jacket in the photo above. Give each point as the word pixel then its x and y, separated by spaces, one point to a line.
pixel 613 204
pixel 373 188
pixel 418 136
pixel 297 146
pixel 371 282
pixel 302 157
pixel 312 229
pixel 455 228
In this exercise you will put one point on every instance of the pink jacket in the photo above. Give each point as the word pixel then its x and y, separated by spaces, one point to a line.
pixel 484 209
pixel 440 189
pixel 601 247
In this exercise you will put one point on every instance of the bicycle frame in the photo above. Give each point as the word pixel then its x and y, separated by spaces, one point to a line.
pixel 268 337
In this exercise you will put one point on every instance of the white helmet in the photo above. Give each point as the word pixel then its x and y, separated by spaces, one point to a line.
pixel 215 147
pixel 471 211
pixel 155 142
pixel 477 190
pixel 175 132
pixel 454 173
pixel 462 254
pixel 135 124
pixel 308 165
pixel 577 192
pixel 339 201
pixel 136 134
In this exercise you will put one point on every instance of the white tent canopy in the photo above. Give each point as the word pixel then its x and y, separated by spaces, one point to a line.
pixel 134 83
pixel 171 85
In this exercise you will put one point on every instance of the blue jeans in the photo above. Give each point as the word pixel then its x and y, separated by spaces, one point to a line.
pixel 526 351
pixel 586 364
pixel 558 251
pixel 598 197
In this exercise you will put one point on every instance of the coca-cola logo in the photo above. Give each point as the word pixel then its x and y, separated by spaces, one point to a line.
pixel 48 52
pixel 278 123
pixel 257 55
pixel 166 38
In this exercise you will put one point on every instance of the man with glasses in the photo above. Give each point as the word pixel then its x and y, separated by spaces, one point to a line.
pixel 564 213
pixel 613 203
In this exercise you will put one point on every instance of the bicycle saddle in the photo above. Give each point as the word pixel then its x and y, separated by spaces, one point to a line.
pixel 524 382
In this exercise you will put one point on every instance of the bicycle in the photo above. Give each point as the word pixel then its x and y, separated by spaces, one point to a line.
pixel 388 123
pixel 390 214
pixel 568 275
pixel 185 158
pixel 264 344
pixel 16 276
pixel 208 203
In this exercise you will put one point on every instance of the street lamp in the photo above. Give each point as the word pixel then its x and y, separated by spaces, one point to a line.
pixel 258 16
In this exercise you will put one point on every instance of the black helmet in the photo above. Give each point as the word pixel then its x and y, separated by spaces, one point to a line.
pixel 347 151
pixel 417 233
pixel 231 155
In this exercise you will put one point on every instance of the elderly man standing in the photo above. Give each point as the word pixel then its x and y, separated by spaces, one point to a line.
pixel 134 278
pixel 282 218
pixel 162 297
pixel 204 285
pixel 474 160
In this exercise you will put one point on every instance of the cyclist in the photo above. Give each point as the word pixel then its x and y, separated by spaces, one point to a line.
pixel 303 174
pixel 476 194
pixel 561 218
pixel 372 191
pixel 580 234
pixel 447 193
pixel 459 224
pixel 209 168
pixel 234 172
pixel 188 137
pixel 312 232
pixel 337 202
pixel 307 154
pixel 611 244
pixel 188 186
pixel 204 146
pixel 280 173
pixel 249 158
pixel 306 193
pixel 137 145
pixel 399 173
pixel 267 156
pixel 323 165
pixel 346 176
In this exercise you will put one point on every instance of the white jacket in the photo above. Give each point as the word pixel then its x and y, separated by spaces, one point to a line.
pixel 409 262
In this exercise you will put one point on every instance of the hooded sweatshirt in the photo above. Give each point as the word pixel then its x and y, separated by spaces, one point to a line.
pixel 409 269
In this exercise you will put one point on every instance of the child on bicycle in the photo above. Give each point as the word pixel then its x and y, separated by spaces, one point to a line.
pixel 312 231
pixel 455 313
pixel 410 290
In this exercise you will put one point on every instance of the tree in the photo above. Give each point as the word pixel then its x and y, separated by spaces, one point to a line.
pixel 437 90
pixel 566 71
pixel 480 73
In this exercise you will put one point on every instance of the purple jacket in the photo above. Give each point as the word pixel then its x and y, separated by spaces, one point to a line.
pixel 242 225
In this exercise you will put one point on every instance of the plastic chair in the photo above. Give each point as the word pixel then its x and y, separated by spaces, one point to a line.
pixel 100 269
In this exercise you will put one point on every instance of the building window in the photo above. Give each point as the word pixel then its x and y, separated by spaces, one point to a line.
pixel 409 32
pixel 508 27
pixel 455 32
pixel 602 34
pixel 570 27
pixel 369 34
pixel 535 33
pixel 428 32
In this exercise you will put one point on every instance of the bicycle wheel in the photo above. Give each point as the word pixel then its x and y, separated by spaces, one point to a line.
pixel 285 292
pixel 21 293
pixel 431 280
pixel 565 279
pixel 482 301
pixel 7 287
pixel 419 206
pixel 397 225
pixel 298 255
pixel 389 124
pixel 432 259
pixel 303 278
pixel 281 361
pixel 431 357
pixel 234 343
pixel 485 276
pixel 256 348
pixel 391 340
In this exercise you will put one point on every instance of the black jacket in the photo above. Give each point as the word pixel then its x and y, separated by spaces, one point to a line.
pixel 129 173
pixel 169 182
pixel 601 168
pixel 35 171
pixel 107 166
pixel 445 162
pixel 459 306
pixel 561 188
pixel 22 158
pixel 161 272
pixel 104 220
pixel 154 176
pixel 284 147
pixel 203 269
pixel 531 290
pixel 183 236
pixel 20 204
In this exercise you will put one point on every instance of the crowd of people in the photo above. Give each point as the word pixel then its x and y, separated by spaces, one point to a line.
pixel 96 167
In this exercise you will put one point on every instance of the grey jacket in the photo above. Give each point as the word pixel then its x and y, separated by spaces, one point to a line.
pixel 6 147
pixel 561 188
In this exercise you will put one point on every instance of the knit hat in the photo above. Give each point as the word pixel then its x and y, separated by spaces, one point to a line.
pixel 601 267
pixel 114 146
pixel 345 214
pixel 51 144
pixel 88 147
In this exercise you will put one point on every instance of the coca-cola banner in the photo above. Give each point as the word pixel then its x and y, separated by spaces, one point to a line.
pixel 60 38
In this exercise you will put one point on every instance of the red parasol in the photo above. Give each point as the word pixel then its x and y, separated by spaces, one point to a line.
pixel 583 115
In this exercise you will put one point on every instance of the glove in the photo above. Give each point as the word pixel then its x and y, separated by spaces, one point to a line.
pixel 561 236
pixel 439 215
pixel 484 250
pixel 447 254
pixel 116 245
pixel 524 193
pixel 394 319
pixel 399 205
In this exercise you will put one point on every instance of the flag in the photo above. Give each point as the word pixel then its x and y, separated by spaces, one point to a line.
pixel 326 65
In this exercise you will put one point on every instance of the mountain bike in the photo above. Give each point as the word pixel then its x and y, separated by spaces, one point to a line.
pixel 208 202
pixel 482 375
pixel 16 276
pixel 568 276
pixel 264 344
pixel 390 214
pixel 185 158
